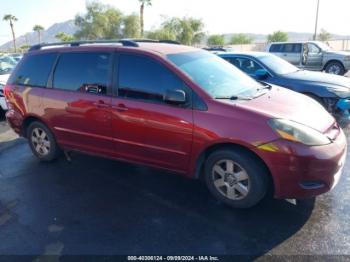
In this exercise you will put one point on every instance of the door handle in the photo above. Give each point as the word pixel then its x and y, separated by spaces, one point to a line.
pixel 100 104
pixel 120 108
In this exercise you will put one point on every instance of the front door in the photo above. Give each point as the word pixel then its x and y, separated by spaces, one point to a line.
pixel 147 129
pixel 78 103
pixel 314 57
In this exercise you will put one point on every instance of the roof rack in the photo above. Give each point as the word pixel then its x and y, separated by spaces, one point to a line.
pixel 124 42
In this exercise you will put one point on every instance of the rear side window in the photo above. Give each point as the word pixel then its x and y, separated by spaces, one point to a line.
pixel 83 72
pixel 292 48
pixel 275 48
pixel 143 78
pixel 34 70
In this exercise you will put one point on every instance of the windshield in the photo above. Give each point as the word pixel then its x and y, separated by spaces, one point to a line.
pixel 278 65
pixel 216 76
pixel 6 65
pixel 323 46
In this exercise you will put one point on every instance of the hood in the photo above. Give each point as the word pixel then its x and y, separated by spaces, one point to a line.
pixel 340 53
pixel 4 78
pixel 286 104
pixel 319 77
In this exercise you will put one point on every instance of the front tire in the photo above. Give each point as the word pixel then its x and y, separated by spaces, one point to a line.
pixel 236 178
pixel 42 142
pixel 335 68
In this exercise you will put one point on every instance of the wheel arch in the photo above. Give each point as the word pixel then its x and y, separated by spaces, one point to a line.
pixel 332 61
pixel 30 119
pixel 200 161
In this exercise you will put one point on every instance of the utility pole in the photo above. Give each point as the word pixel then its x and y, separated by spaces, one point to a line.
pixel 316 23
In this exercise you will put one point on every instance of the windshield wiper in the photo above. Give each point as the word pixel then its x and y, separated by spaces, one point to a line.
pixel 233 98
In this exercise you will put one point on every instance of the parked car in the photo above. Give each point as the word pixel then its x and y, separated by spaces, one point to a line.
pixel 331 91
pixel 312 55
pixel 6 67
pixel 16 57
pixel 216 49
pixel 177 108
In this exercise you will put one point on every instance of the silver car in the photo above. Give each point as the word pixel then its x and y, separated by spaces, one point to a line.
pixel 312 55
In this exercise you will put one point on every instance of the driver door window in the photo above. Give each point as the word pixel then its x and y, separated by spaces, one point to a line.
pixel 142 78
pixel 313 49
pixel 248 66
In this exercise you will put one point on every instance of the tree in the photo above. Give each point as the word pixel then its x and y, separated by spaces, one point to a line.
pixel 278 36
pixel 38 29
pixel 64 37
pixel 99 22
pixel 186 30
pixel 241 39
pixel 24 48
pixel 216 40
pixel 131 26
pixel 324 36
pixel 162 34
pixel 11 18
pixel 142 10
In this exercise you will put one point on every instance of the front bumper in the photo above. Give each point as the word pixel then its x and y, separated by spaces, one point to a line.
pixel 300 171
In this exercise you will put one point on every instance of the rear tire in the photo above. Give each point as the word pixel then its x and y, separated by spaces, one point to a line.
pixel 236 178
pixel 335 68
pixel 42 142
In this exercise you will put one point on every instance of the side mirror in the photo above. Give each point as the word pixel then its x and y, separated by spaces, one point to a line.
pixel 261 74
pixel 175 96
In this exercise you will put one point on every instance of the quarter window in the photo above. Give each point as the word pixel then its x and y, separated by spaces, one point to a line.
pixel 34 70
pixel 275 48
pixel 83 72
pixel 143 78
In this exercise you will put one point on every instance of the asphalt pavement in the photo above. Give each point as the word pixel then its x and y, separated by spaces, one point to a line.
pixel 95 206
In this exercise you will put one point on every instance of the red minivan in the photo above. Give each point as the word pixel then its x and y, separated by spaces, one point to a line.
pixel 177 108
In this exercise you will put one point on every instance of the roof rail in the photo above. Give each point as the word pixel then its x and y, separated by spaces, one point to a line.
pixel 165 41
pixel 124 42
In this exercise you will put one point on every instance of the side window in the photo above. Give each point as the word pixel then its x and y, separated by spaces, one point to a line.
pixel 143 78
pixel 288 48
pixel 275 48
pixel 313 49
pixel 34 70
pixel 235 61
pixel 249 66
pixel 297 48
pixel 83 72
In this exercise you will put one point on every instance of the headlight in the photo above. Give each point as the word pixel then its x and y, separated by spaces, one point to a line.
pixel 342 92
pixel 347 58
pixel 296 132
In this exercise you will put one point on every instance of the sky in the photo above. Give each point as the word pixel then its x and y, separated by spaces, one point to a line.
pixel 219 16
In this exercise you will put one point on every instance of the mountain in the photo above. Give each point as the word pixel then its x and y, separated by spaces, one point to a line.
pixel 47 35
pixel 69 27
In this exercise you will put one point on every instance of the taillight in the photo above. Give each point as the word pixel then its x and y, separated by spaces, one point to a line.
pixel 7 90
pixel 7 94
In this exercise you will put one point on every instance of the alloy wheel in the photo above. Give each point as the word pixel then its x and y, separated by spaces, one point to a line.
pixel 40 141
pixel 230 179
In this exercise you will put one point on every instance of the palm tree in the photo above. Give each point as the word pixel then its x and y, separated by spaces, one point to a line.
pixel 142 9
pixel 11 18
pixel 38 29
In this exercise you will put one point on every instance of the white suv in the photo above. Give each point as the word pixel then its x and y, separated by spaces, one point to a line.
pixel 7 64
pixel 312 55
